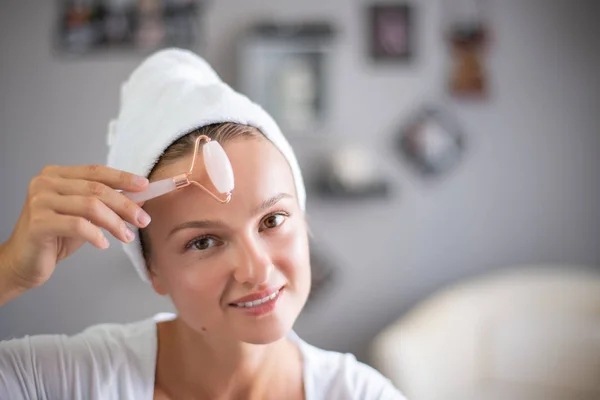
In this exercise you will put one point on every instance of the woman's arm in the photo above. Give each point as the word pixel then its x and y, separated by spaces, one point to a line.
pixel 66 207
pixel 10 287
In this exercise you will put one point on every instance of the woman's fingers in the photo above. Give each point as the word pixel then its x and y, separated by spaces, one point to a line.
pixel 88 209
pixel 111 177
pixel 70 226
pixel 120 204
pixel 65 207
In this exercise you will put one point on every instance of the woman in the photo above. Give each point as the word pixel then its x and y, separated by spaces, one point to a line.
pixel 237 271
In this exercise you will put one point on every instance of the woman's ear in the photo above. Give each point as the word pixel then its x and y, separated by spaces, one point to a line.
pixel 157 282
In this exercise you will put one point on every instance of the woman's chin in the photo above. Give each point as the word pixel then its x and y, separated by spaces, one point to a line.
pixel 255 338
pixel 265 326
pixel 264 333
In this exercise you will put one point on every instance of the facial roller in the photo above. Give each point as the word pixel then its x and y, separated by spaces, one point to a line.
pixel 218 168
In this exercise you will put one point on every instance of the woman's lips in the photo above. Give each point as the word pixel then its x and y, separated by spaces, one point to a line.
pixel 260 306
pixel 258 297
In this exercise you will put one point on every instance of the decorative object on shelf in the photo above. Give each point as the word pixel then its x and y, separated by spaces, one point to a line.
pixel 89 26
pixel 351 172
pixel 391 32
pixel 468 36
pixel 432 141
pixel 285 68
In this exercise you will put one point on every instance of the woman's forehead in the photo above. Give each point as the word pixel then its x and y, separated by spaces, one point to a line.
pixel 260 172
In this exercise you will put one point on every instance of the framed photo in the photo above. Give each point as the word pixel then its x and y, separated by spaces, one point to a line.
pixel 391 32
pixel 146 25
pixel 286 69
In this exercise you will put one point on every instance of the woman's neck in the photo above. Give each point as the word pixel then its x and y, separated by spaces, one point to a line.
pixel 203 366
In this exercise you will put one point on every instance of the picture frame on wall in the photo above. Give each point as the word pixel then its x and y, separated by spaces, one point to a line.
pixel 391 32
pixel 432 141
pixel 85 27
pixel 286 68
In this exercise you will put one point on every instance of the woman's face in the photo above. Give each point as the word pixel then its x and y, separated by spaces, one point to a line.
pixel 209 256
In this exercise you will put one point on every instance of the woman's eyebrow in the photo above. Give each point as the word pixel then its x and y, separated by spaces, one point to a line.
pixel 220 224
pixel 197 225
pixel 271 202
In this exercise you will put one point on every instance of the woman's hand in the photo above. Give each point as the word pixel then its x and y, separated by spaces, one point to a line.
pixel 66 207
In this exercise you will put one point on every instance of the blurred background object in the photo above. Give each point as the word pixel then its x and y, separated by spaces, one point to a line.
pixel 88 26
pixel 351 170
pixel 432 141
pixel 468 34
pixel 391 32
pixel 524 192
pixel 285 67
pixel 526 333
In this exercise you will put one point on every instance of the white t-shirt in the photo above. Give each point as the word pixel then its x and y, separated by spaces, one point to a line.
pixel 112 361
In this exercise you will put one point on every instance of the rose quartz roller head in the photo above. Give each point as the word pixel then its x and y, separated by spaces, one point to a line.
pixel 218 168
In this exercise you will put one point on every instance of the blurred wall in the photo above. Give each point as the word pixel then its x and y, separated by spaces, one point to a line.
pixel 527 190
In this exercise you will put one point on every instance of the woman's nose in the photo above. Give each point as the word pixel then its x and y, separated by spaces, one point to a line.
pixel 254 264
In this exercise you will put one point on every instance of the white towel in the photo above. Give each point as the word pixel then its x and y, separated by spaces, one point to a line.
pixel 170 94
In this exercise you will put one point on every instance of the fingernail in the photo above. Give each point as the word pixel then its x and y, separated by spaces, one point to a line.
pixel 105 243
pixel 141 181
pixel 143 218
pixel 129 234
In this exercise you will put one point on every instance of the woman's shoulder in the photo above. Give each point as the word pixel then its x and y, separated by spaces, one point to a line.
pixel 103 360
pixel 333 375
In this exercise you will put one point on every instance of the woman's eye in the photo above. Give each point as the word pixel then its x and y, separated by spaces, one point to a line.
pixel 273 221
pixel 203 243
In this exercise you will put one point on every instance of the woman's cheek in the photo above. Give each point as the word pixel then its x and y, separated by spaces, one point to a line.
pixel 197 297
pixel 202 279
pixel 205 278
pixel 293 254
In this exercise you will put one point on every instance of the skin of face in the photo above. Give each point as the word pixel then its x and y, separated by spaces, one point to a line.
pixel 258 241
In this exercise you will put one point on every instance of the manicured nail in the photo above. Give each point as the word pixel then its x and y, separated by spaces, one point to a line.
pixel 141 181
pixel 143 218
pixel 105 243
pixel 129 235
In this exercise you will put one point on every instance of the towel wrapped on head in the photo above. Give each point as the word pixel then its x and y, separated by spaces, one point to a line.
pixel 172 93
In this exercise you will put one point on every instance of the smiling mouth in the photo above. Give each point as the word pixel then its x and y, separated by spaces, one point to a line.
pixel 256 303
